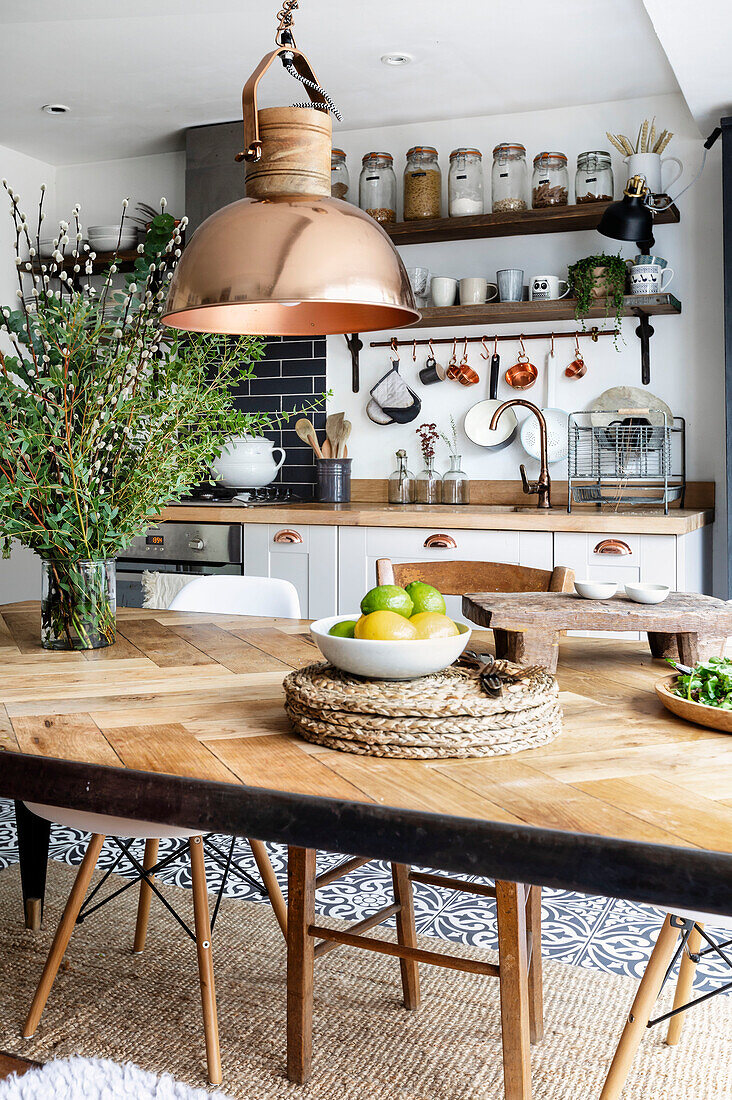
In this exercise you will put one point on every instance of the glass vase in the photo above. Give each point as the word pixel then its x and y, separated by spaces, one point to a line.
pixel 401 482
pixel 78 604
pixel 455 484
pixel 428 484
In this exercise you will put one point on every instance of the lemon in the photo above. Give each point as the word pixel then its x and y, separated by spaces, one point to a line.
pixel 385 626
pixel 343 629
pixel 387 597
pixel 432 624
pixel 425 598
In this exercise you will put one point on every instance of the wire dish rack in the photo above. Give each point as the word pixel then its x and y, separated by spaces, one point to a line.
pixel 626 456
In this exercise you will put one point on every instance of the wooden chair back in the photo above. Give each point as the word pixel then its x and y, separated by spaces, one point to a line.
pixel 455 578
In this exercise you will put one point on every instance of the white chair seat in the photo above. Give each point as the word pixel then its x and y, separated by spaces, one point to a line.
pixel 239 596
pixel 125 827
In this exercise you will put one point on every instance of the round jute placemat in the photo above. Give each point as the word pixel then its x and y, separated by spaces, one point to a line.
pixel 446 714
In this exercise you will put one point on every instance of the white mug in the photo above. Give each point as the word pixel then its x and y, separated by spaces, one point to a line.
pixel 649 278
pixel 544 287
pixel 443 291
pixel 651 165
pixel 474 291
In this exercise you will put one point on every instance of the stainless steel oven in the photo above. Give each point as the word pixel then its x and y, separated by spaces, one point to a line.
pixel 188 548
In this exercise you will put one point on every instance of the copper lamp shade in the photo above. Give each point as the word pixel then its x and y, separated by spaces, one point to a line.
pixel 290 266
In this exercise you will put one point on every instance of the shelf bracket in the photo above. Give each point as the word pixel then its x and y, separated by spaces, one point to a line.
pixel 355 346
pixel 644 332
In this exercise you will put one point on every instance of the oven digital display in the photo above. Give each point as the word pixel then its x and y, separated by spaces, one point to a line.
pixel 155 540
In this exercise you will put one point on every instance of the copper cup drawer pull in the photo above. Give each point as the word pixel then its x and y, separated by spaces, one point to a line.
pixel 440 542
pixel 288 536
pixel 612 546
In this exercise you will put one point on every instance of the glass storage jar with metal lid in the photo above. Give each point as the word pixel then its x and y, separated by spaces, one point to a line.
pixel 422 184
pixel 339 179
pixel 465 183
pixel 377 187
pixel 550 181
pixel 594 181
pixel 509 178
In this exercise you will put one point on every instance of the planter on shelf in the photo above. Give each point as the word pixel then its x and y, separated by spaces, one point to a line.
pixel 598 277
pixel 78 604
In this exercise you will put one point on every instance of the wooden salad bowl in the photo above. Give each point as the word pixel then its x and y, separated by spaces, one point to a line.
pixel 713 717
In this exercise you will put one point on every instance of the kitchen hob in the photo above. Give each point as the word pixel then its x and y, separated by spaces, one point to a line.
pixel 210 494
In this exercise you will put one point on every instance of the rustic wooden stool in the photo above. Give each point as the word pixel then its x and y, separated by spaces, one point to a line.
pixel 526 625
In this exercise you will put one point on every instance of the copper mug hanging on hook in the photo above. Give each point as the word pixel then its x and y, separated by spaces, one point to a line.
pixel 577 368
pixel 453 369
pixel 466 376
pixel 522 374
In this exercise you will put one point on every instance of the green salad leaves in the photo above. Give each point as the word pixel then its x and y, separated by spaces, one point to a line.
pixel 709 683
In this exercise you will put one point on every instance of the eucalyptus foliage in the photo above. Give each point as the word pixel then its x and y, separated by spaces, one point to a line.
pixel 105 414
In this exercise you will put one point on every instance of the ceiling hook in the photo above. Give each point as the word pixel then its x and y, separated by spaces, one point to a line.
pixel 414 351
pixel 552 351
pixel 432 350
pixel 485 354
pixel 465 351
pixel 395 347
pixel 495 345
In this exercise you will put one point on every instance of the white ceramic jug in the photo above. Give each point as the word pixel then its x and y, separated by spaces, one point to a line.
pixel 248 462
pixel 651 166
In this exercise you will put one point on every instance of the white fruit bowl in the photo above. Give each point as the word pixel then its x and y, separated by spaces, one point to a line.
pixel 402 660
pixel 595 590
pixel 647 593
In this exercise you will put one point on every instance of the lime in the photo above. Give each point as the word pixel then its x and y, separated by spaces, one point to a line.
pixel 385 626
pixel 432 624
pixel 387 597
pixel 425 598
pixel 343 629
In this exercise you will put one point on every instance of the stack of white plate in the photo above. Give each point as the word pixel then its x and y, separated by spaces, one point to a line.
pixel 104 238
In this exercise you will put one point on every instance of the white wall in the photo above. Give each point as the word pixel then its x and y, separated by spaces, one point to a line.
pixel 687 358
pixel 20 577
pixel 101 187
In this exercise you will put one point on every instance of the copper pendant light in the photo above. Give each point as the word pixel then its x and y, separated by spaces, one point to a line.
pixel 289 260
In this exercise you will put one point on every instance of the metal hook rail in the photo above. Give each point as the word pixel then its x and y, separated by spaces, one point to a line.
pixel 593 333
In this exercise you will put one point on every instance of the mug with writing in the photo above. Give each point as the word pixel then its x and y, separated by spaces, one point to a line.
pixel 474 291
pixel 544 287
pixel 649 278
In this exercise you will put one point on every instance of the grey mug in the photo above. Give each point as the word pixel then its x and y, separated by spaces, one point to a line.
pixel 510 284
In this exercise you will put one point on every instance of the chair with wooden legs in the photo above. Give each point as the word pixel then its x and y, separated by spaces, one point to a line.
pixel 682 934
pixel 518 906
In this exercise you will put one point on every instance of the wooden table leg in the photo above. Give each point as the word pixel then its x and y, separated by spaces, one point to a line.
pixel 300 962
pixel 406 933
pixel 202 924
pixel 663 645
pixel 149 860
pixel 534 647
pixel 514 983
pixel 688 648
pixel 33 839
pixel 536 991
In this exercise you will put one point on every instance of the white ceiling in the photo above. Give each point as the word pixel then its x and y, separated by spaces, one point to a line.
pixel 137 74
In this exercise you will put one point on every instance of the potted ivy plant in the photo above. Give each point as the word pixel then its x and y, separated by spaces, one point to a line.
pixel 106 414
pixel 595 277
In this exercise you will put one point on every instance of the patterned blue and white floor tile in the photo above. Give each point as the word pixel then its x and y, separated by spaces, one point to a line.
pixel 606 934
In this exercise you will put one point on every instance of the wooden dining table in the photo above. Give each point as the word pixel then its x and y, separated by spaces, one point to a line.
pixel 182 722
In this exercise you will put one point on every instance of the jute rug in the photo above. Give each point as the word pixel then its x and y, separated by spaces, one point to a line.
pixel 146 1009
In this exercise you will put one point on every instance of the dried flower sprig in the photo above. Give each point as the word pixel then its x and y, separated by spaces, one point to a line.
pixel 451 440
pixel 646 142
pixel 428 436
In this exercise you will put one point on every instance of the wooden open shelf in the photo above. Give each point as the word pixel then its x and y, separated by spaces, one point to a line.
pixel 563 309
pixel 553 219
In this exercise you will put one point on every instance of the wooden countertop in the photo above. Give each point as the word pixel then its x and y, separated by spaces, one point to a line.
pixel 482 517
pixel 194 702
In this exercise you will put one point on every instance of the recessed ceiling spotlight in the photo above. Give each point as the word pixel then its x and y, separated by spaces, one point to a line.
pixel 55 108
pixel 396 58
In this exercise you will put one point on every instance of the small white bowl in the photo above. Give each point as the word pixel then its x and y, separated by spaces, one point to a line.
pixel 647 593
pixel 595 590
pixel 402 660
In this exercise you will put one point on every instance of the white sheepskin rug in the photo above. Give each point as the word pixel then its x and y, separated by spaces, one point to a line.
pixel 97 1079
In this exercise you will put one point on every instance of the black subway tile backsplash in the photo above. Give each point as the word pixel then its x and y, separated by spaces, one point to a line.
pixel 291 375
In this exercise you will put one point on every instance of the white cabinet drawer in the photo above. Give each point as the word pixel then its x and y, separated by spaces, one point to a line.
pixel 622 558
pixel 306 556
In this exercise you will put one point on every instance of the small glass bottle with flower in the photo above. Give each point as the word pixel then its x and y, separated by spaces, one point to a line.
pixel 428 483
pixel 455 482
